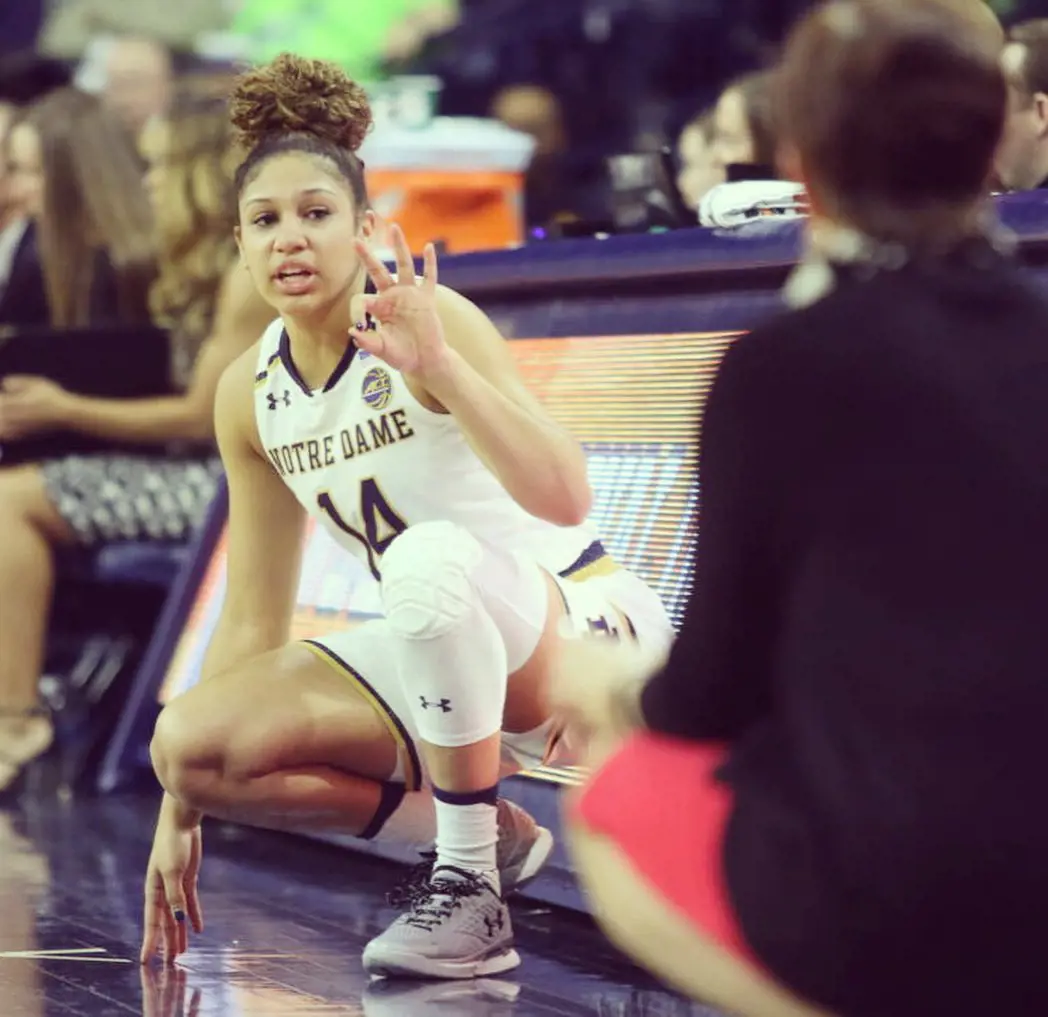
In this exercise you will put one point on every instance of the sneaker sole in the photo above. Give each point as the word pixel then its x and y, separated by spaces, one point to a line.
pixel 397 964
pixel 534 862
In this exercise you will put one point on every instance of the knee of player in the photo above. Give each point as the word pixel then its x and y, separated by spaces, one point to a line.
pixel 178 755
pixel 427 579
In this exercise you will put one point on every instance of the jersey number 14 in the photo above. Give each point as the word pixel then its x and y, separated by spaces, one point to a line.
pixel 381 523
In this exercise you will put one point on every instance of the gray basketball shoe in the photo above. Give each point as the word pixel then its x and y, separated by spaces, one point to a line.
pixel 455 925
pixel 523 846
pixel 522 849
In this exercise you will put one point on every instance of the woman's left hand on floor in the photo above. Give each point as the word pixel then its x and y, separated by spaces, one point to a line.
pixel 29 405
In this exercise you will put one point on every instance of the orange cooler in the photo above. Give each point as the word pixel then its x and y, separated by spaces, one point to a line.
pixel 458 181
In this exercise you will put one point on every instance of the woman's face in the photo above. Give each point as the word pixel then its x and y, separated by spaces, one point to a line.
pixel 298 224
pixel 25 172
pixel 698 174
pixel 732 139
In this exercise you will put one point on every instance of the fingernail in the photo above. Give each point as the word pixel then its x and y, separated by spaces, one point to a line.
pixel 180 915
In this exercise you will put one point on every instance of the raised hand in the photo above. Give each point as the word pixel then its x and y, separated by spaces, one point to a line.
pixel 406 331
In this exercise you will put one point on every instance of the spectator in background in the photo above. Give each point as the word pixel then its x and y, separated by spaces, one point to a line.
pixel 202 292
pixel 407 36
pixel 560 190
pixel 840 792
pixel 1022 161
pixel 743 143
pixel 215 314
pixel 71 26
pixel 534 110
pixel 24 78
pixel 75 174
pixel 360 37
pixel 7 114
pixel 12 225
pixel 743 155
pixel 137 80
pixel 699 172
pixel 20 22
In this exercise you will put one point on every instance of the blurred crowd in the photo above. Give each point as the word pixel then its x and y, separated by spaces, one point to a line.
pixel 680 75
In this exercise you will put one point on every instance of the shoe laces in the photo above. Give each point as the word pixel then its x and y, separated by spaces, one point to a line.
pixel 433 901
pixel 416 878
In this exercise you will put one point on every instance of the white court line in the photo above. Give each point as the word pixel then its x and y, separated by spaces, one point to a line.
pixel 79 959
pixel 52 953
pixel 86 954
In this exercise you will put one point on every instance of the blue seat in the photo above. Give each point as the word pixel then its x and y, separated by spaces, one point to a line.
pixel 123 563
pixel 107 603
pixel 137 563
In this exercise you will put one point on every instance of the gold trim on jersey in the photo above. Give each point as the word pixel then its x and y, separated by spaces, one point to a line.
pixel 263 376
pixel 600 564
pixel 603 566
pixel 565 776
pixel 594 561
pixel 405 744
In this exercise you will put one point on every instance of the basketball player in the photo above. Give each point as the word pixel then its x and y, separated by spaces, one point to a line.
pixel 394 417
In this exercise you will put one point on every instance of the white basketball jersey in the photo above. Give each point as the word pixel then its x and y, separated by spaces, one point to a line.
pixel 367 460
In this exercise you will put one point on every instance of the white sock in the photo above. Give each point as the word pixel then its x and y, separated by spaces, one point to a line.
pixel 467 835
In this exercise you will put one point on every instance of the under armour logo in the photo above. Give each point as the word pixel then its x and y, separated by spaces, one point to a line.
pixel 493 924
pixel 274 400
pixel 444 705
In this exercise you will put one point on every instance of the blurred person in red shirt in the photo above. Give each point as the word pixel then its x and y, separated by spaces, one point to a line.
pixel 828 798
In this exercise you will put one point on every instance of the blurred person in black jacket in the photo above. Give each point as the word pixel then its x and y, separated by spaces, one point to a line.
pixel 832 790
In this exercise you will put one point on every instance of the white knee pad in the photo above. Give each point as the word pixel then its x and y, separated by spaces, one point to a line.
pixel 451 661
pixel 463 616
pixel 427 579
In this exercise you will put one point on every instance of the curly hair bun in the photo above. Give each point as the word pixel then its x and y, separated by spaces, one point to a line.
pixel 293 95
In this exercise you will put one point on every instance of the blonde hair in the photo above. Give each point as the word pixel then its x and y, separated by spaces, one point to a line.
pixel 195 226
